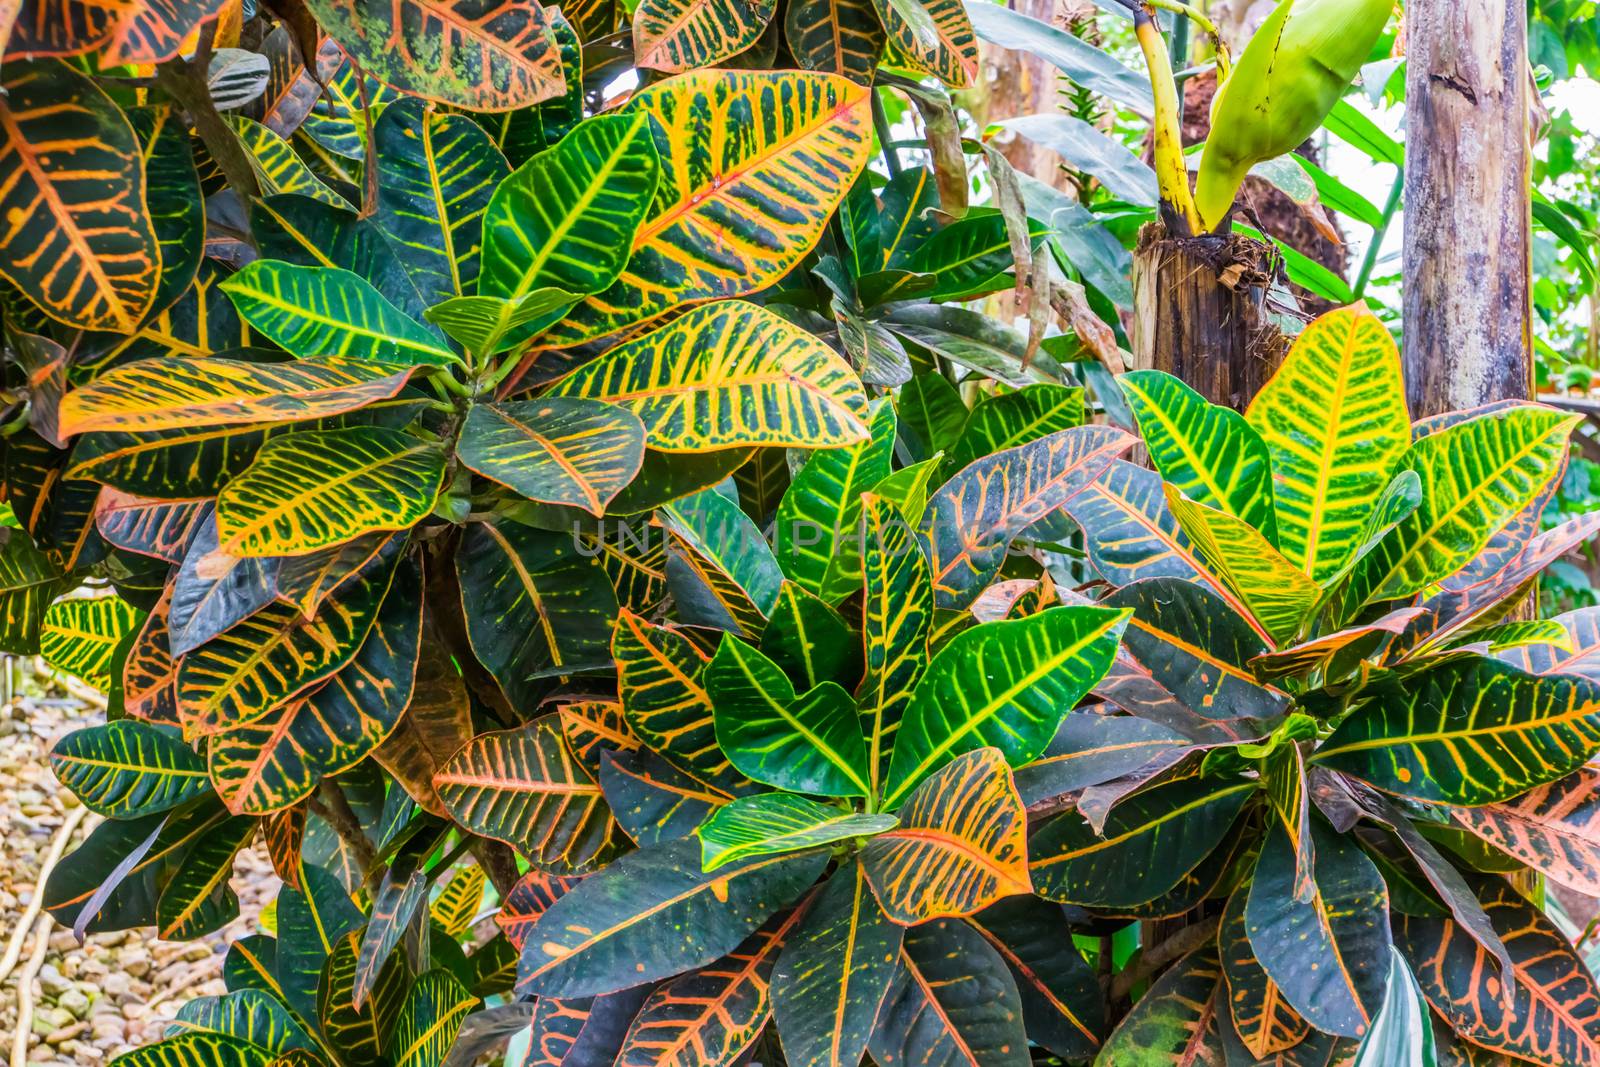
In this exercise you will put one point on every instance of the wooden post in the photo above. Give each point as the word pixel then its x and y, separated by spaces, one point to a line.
pixel 1200 313
pixel 1468 301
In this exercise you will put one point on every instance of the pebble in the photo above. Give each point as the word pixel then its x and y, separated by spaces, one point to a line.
pixel 118 990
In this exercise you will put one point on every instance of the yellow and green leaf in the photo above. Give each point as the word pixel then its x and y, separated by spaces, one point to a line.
pixel 822 506
pixel 566 218
pixel 769 824
pixel 326 311
pixel 436 175
pixel 1476 475
pixel 181 393
pixel 458 902
pixel 932 37
pixel 683 35
pixel 322 488
pixel 485 56
pixel 1005 685
pixel 810 743
pixel 1335 423
pixel 1210 453
pixel 1467 732
pixel 729 375
pixel 124 768
pixel 896 619
pixel 835 37
pixel 81 635
pixel 1277 593
pixel 731 217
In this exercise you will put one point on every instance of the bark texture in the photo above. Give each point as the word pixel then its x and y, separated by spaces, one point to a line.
pixel 1468 303
pixel 1203 313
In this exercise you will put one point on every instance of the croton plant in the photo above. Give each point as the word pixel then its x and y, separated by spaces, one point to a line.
pixel 545 475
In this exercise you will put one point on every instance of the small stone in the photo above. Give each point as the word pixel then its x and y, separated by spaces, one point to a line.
pixel 76 1001
pixel 51 981
pixel 135 962
pixel 66 1033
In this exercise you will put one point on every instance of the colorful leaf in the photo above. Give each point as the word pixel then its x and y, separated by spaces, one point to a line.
pixel 1209 453
pixel 654 913
pixel 258 664
pixel 971 521
pixel 710 1016
pixel 81 635
pixel 1029 671
pixel 327 311
pixel 559 450
pixel 533 608
pixel 1475 476
pixel 436 175
pixel 177 393
pixel 732 219
pixel 1328 955
pixel 323 488
pixel 77 240
pixel 1149 842
pixel 952 1001
pixel 896 618
pixel 1553 1015
pixel 119 34
pixel 932 36
pixel 835 37
pixel 1551 829
pixel 1335 423
pixel 1175 1022
pixel 1467 732
pixel 660 679
pixel 1090 749
pixel 652 800
pixel 279 759
pixel 1063 1005
pixel 124 769
pixel 1276 593
pixel 808 744
pixel 823 503
pixel 486 55
pixel 960 846
pixel 524 788
pixel 429 1020
pixel 458 902
pixel 566 218
pixel 728 375
pixel 834 972
pixel 770 824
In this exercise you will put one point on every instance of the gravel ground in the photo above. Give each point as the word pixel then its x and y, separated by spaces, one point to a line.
pixel 117 990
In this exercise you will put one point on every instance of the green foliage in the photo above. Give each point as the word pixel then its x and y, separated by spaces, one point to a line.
pixel 624 519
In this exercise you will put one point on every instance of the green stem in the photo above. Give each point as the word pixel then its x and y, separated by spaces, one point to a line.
pixel 1199 18
pixel 1390 207
pixel 880 124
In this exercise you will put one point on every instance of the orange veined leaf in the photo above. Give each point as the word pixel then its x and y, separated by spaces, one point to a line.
pixel 486 55
pixel 960 846
pixel 524 787
pixel 120 32
pixel 595 726
pixel 77 240
pixel 712 1015
pixel 1553 1016
pixel 740 200
pixel 174 392
pixel 284 832
pixel 679 35
pixel 1553 829
pixel 323 488
pixel 149 673
pixel 932 36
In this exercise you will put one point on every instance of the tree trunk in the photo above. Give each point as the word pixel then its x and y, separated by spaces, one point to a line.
pixel 1201 313
pixel 1468 305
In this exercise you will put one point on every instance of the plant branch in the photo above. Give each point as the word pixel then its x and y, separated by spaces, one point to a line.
pixel 185 81
pixel 880 123
pixel 499 863
pixel 1154 958
pixel 334 806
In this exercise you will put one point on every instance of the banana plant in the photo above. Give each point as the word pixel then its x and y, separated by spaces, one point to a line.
pixel 1362 733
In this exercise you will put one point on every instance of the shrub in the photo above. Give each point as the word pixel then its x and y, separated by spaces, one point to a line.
pixel 503 498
